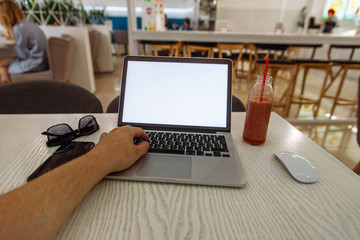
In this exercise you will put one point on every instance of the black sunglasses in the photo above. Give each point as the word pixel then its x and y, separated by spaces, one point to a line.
pixel 62 133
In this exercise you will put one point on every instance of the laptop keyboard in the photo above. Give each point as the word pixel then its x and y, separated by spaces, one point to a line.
pixel 188 144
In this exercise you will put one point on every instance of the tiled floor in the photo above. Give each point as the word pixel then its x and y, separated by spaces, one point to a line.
pixel 338 140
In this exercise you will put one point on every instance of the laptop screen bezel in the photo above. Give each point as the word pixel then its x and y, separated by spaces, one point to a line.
pixel 171 127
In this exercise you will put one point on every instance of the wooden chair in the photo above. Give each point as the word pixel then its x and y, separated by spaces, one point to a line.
pixel 235 50
pixel 200 49
pixel 344 66
pixel 302 98
pixel 162 48
pixel 293 50
pixel 352 49
pixel 281 97
pixel 236 105
pixel 250 55
pixel 273 51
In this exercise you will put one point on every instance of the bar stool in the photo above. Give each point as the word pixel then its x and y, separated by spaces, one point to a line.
pixel 337 99
pixel 162 48
pixel 235 50
pixel 200 49
pixel 349 47
pixel 281 98
pixel 343 67
pixel 249 54
pixel 273 51
pixel 302 98
pixel 293 50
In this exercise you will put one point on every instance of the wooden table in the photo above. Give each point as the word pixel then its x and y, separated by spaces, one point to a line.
pixel 272 206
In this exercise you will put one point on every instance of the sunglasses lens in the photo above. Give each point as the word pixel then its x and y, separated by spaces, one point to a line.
pixel 88 125
pixel 60 134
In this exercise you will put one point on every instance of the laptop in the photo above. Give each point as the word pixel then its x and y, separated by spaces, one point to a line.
pixel 184 105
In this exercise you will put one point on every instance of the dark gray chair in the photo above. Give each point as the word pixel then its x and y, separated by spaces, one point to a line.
pixel 47 97
pixel 237 105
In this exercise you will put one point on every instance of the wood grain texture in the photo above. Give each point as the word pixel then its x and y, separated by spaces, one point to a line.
pixel 272 206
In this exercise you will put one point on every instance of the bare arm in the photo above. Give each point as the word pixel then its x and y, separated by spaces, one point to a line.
pixel 38 210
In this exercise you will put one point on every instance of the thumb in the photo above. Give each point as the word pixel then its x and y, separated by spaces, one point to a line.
pixel 143 147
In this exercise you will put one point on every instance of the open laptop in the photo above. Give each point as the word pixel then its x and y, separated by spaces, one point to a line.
pixel 184 105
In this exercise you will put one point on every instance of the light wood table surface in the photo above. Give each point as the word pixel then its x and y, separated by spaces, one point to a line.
pixel 272 205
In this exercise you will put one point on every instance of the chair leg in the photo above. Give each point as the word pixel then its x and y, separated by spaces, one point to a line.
pixel 335 103
pixel 322 93
pixel 143 49
pixel 292 91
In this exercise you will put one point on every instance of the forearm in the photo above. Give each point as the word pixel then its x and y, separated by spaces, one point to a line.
pixel 53 197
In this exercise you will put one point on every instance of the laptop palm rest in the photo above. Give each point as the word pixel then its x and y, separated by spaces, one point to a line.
pixel 165 166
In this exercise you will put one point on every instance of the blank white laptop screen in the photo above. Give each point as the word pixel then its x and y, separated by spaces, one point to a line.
pixel 176 93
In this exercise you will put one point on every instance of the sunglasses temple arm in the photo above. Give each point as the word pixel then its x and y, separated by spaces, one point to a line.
pixel 51 134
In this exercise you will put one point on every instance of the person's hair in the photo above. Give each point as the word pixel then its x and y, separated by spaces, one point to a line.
pixel 10 15
pixel 332 11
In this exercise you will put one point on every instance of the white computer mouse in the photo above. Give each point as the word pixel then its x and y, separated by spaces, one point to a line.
pixel 298 166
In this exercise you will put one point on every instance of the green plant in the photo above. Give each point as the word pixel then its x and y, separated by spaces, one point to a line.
pixel 302 16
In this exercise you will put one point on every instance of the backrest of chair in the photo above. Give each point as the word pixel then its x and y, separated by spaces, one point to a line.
pixel 352 49
pixel 237 105
pixel 35 97
pixel 114 105
pixel 95 38
pixel 230 47
pixel 61 52
pixel 121 37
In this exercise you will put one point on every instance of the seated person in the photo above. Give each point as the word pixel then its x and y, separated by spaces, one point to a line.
pixel 170 25
pixel 30 43
pixel 186 25
pixel 330 22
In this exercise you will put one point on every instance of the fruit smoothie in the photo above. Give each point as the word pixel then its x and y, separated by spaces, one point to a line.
pixel 257 120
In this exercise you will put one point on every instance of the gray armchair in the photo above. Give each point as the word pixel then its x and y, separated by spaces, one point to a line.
pixel 60 55
pixel 121 37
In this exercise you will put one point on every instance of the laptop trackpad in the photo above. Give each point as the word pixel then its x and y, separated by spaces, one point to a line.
pixel 165 166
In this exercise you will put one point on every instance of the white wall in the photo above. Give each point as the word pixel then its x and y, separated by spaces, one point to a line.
pixel 262 15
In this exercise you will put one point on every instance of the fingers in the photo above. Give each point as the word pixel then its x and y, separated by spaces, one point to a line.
pixel 139 133
pixel 103 135
pixel 143 147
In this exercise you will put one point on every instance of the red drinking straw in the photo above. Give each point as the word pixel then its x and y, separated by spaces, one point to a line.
pixel 264 79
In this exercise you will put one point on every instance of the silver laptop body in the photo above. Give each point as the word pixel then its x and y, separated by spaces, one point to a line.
pixel 181 98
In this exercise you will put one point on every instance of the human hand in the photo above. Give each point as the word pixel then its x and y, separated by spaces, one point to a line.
pixel 117 150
